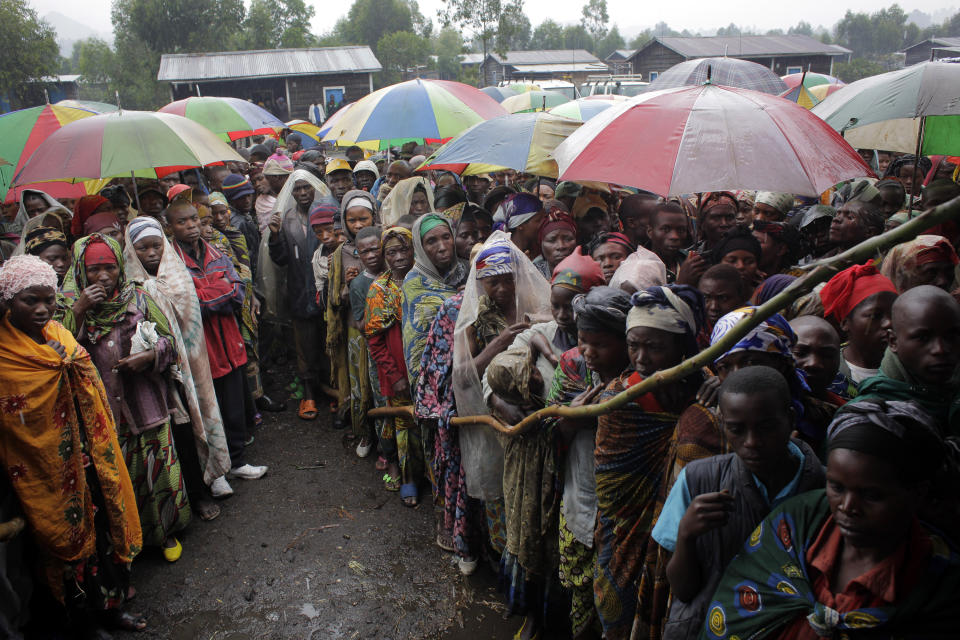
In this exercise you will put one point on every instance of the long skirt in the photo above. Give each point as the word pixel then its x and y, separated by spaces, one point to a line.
pixel 360 392
pixel 460 517
pixel 154 469
pixel 577 561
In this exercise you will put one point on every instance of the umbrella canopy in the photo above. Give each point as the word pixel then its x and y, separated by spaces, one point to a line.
pixel 709 138
pixel 89 105
pixel 885 111
pixel 520 87
pixel 821 91
pixel 116 144
pixel 229 118
pixel 305 127
pixel 499 93
pixel 418 110
pixel 521 141
pixel 802 96
pixel 810 79
pixel 614 97
pixel 729 72
pixel 534 101
pixel 582 109
pixel 21 132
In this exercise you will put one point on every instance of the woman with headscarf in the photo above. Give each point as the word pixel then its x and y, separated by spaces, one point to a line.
pixel 853 560
pixel 557 236
pixel 910 171
pixel 57 218
pixel 716 215
pixel 58 445
pixel 610 249
pixel 346 347
pixel 520 215
pixel 740 249
pixel 779 246
pixel 926 259
pixel 129 340
pixel 859 299
pixel 632 447
pixel 198 427
pixel 50 245
pixel 411 196
pixel 382 320
pixel 86 207
pixel 33 202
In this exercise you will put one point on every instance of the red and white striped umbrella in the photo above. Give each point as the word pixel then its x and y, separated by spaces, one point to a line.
pixel 709 138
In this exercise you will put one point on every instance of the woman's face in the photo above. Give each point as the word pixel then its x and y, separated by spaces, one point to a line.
pixel 910 178
pixel 653 350
pixel 261 184
pixel 603 352
pixel 356 218
pixel 32 309
pixel 150 251
pixel 561 306
pixel 545 192
pixel 869 322
pixel 501 289
pixel 743 261
pixel 557 245
pixel 105 275
pixel 467 235
pixel 419 204
pixel 439 247
pixel 609 255
pixel 56 256
pixel 398 256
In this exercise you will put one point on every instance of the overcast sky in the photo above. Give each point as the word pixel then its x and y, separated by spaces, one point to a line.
pixel 691 14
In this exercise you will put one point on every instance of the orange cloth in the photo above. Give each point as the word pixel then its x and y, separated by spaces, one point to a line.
pixel 40 447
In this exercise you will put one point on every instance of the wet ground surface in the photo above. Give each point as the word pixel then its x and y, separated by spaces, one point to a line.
pixel 317 549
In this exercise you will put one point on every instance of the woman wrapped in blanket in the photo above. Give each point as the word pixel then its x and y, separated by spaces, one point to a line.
pixel 853 560
pixel 129 339
pixel 59 448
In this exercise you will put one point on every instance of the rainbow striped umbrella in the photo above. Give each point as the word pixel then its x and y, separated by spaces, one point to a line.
pixel 21 132
pixel 582 109
pixel 534 101
pixel 499 93
pixel 145 143
pixel 305 127
pixel 821 91
pixel 89 105
pixel 802 96
pixel 229 118
pixel 809 79
pixel 417 110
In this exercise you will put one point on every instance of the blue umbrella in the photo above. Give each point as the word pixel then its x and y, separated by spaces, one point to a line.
pixel 499 93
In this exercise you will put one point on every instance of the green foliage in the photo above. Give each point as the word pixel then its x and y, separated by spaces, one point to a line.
pixel 877 34
pixel 179 26
pixel 484 19
pixel 576 37
pixel 401 52
pixel 369 20
pixel 30 52
pixel 609 43
pixel 448 47
pixel 547 35
pixel 856 69
pixel 802 28
pixel 513 33
pixel 594 18
pixel 272 24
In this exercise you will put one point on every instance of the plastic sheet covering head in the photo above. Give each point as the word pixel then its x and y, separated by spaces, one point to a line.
pixel 482 452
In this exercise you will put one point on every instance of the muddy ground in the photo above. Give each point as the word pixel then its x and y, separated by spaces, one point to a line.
pixel 315 550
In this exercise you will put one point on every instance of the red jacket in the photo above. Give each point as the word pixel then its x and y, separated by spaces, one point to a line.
pixel 221 294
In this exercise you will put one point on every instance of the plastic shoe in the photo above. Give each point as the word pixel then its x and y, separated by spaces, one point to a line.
pixel 172 554
pixel 220 488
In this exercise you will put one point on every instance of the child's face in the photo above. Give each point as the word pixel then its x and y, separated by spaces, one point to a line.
pixel 326 235
pixel 356 218
pixel 368 250
pixel 758 428
pixel 206 228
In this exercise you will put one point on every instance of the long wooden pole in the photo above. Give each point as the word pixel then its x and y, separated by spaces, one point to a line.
pixel 818 272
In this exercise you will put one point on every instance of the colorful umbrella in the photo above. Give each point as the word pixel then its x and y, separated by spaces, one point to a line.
pixel 802 96
pixel 582 109
pixel 729 72
pixel 21 132
pixel 606 96
pixel 417 110
pixel 533 101
pixel 821 91
pixel 810 79
pixel 230 118
pixel 305 127
pixel 708 138
pixel 110 145
pixel 89 105
pixel 520 141
pixel 521 87
pixel 888 111
pixel 499 93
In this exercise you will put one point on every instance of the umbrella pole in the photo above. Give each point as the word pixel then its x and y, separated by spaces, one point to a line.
pixel 136 192
pixel 916 155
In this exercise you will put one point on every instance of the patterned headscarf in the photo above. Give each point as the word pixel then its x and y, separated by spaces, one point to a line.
pixel 903 262
pixel 712 199
pixel 555 219
pixel 22 272
pixel 773 335
pixel 144 227
pixel 83 209
pixel 578 272
pixel 100 320
pixel 615 237
pixel 216 198
pixel 515 210
pixel 494 260
pixel 42 237
pixel 395 233
pixel 782 202
pixel 674 308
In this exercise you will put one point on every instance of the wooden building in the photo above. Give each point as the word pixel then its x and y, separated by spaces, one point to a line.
pixel 298 76
pixel 782 54
pixel 572 65
pixel 932 49
pixel 619 61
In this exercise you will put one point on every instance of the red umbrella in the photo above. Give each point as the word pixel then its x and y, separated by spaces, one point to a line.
pixel 708 138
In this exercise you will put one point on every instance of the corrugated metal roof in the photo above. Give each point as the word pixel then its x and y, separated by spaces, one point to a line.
pixel 937 43
pixel 548 56
pixel 621 54
pixel 749 46
pixel 471 58
pixel 560 68
pixel 224 65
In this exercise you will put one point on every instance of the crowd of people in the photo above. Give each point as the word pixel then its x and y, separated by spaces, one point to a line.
pixel 801 486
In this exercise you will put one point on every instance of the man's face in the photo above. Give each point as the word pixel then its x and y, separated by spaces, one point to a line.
pixel 303 193
pixel 220 216
pixel 717 221
pixel 151 203
pixel 818 354
pixel 293 145
pixel 720 297
pixel 368 250
pixel 926 338
pixel 340 181
pixel 184 224
pixel 757 427
pixel 34 205
pixel 396 172
pixel 364 179
pixel 669 233
pixel 476 185
pixel 244 203
pixel 326 235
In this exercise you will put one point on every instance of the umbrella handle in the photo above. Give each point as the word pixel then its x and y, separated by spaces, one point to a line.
pixel 136 192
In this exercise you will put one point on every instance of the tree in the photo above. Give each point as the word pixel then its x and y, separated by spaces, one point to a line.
pixel 369 20
pixel 610 43
pixel 802 28
pixel 400 52
pixel 730 30
pixel 30 52
pixel 576 37
pixel 422 26
pixel 513 33
pixel 271 24
pixel 641 39
pixel 878 34
pixel 595 18
pixel 483 18
pixel 547 35
pixel 448 47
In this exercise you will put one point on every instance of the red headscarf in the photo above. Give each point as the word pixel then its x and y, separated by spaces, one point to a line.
pixel 98 252
pixel 714 198
pixel 557 219
pixel 850 287
pixel 83 209
pixel 615 237
pixel 578 272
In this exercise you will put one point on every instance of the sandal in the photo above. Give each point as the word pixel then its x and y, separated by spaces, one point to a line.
pixel 382 464
pixel 207 510
pixel 308 410
pixel 409 495
pixel 445 543
pixel 117 620
pixel 390 483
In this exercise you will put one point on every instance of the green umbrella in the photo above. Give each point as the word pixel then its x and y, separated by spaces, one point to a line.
pixel 904 110
pixel 533 101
